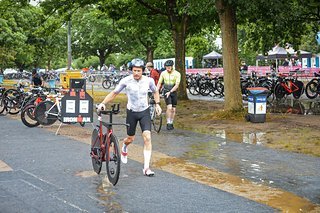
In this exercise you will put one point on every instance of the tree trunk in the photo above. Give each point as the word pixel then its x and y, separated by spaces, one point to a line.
pixel 150 54
pixel 102 57
pixel 179 34
pixel 227 16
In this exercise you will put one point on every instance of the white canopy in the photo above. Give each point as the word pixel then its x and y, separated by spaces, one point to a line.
pixel 212 55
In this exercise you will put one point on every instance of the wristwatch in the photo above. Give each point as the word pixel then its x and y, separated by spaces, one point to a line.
pixel 158 103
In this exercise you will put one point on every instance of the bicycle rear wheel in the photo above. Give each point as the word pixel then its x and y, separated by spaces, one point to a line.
pixel 113 160
pixel 46 113
pixel 157 122
pixel 28 117
pixel 96 152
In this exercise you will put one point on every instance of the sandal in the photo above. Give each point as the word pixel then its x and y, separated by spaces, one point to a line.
pixel 148 172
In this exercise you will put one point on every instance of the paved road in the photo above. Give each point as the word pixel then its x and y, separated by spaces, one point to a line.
pixel 52 174
pixel 42 172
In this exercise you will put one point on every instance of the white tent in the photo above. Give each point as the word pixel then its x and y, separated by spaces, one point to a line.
pixel 278 53
pixel 302 54
pixel 212 55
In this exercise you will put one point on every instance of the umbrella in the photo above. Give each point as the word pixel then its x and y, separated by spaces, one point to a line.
pixel 213 55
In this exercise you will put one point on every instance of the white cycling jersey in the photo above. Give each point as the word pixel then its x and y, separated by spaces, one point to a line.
pixel 137 91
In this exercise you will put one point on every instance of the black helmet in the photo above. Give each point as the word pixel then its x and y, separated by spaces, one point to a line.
pixel 137 62
pixel 168 63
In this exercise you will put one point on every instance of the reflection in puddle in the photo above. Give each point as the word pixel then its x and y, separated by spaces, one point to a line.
pixel 250 138
pixel 106 196
pixel 293 106
pixel 201 150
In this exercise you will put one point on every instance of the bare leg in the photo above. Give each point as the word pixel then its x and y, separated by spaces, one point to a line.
pixel 147 148
pixel 173 113
pixel 128 140
pixel 168 113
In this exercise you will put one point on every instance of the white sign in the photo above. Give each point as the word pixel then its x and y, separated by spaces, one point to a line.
pixel 84 106
pixel 261 108
pixel 71 106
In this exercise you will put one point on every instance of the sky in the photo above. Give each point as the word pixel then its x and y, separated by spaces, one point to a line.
pixel 34 2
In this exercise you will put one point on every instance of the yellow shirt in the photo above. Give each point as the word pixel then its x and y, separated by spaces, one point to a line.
pixel 169 79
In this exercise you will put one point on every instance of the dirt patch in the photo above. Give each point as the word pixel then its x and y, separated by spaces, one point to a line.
pixel 290 132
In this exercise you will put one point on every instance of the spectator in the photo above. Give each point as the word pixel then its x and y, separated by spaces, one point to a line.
pixel 153 72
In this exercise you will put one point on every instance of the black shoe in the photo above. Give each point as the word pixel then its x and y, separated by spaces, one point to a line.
pixel 168 127
pixel 172 128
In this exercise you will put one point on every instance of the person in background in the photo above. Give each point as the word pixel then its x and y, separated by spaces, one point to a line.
pixel 153 72
pixel 244 68
pixel 170 79
pixel 36 79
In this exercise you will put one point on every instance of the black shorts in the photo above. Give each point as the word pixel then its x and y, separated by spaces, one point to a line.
pixel 172 99
pixel 144 119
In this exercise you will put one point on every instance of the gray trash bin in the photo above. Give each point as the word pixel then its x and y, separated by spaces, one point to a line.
pixel 257 104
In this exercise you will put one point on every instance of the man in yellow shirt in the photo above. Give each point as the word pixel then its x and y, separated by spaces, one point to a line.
pixel 170 79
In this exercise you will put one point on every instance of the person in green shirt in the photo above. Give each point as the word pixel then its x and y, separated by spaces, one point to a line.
pixel 170 78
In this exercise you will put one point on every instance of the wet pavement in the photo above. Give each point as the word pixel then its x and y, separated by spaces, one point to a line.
pixel 53 173
pixel 296 173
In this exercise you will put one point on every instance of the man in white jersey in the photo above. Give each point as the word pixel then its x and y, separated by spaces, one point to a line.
pixel 137 87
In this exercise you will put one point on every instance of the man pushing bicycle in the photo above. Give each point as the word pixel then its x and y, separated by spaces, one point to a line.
pixel 137 87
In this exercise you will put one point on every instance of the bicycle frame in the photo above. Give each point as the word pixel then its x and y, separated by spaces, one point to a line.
pixel 291 88
pixel 56 103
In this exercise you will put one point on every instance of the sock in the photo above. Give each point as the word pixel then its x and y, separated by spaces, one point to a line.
pixel 147 157
pixel 124 148
pixel 168 120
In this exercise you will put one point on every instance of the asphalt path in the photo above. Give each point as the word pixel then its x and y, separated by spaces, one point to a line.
pixel 48 174
pixel 44 172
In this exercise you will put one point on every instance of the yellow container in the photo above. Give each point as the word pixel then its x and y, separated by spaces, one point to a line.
pixel 66 76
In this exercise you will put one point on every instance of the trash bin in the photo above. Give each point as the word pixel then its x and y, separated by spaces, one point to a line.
pixel 1 79
pixel 257 104
pixel 65 78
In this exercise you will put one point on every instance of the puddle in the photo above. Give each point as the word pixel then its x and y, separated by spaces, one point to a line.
pixel 201 150
pixel 293 106
pixel 257 138
pixel 86 174
pixel 106 196
pixel 105 191
pixel 276 198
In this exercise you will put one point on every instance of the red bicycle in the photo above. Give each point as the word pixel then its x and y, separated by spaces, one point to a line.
pixel 287 86
pixel 105 146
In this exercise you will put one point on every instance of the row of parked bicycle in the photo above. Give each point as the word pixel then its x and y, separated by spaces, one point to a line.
pixel 279 86
pixel 36 106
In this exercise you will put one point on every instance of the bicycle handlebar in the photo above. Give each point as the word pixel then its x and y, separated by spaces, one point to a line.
pixel 115 109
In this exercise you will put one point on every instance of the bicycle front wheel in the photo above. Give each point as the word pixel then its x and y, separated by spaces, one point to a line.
pixel 157 122
pixel 312 89
pixel 46 113
pixel 113 160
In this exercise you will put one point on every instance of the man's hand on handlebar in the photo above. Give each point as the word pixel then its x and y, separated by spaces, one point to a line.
pixel 101 107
